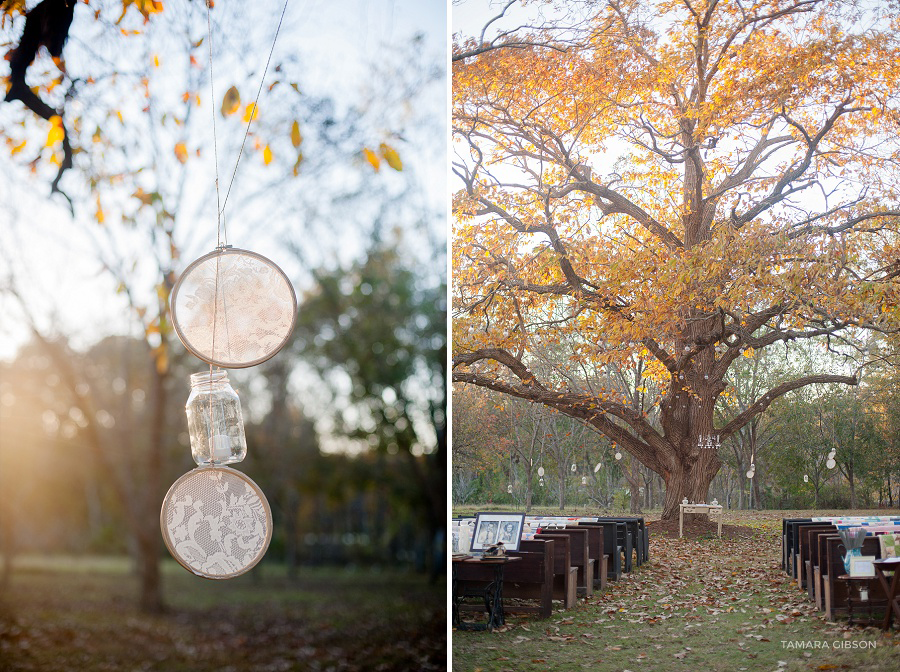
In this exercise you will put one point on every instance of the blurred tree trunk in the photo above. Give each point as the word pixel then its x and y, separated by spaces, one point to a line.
pixel 148 537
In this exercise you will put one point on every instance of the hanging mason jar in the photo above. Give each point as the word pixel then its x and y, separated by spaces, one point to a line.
pixel 215 423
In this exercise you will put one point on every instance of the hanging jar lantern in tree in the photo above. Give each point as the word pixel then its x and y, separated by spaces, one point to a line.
pixel 233 309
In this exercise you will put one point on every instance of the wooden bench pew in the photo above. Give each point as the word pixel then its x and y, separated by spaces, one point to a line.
pixel 787 538
pixel 814 574
pixel 528 579
pixel 580 556
pixel 635 539
pixel 595 551
pixel 612 551
pixel 831 565
pixel 804 551
pixel 565 576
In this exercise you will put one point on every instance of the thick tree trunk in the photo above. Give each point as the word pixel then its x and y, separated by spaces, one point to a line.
pixel 291 506
pixel 148 570
pixel 691 479
pixel 148 538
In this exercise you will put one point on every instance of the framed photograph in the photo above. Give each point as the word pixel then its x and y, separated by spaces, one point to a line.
pixel 862 566
pixel 491 528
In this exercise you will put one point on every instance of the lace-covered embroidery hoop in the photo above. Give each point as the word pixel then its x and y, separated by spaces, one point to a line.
pixel 216 522
pixel 233 308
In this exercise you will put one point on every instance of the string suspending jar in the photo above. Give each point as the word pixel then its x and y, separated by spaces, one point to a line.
pixel 215 422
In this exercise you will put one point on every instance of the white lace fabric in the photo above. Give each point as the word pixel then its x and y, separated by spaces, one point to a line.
pixel 216 522
pixel 233 308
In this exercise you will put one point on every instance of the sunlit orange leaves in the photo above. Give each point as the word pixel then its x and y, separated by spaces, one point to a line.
pixel 145 7
pixel 296 137
pixel 267 155
pixel 627 192
pixel 181 152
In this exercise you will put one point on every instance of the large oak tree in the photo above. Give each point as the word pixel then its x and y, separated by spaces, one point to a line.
pixel 691 182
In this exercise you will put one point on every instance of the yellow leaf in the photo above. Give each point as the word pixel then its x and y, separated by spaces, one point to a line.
pixel 56 133
pixel 267 155
pixel 296 138
pixel 250 111
pixel 155 60
pixel 18 148
pixel 372 158
pixel 231 103
pixel 99 214
pixel 181 152
pixel 390 155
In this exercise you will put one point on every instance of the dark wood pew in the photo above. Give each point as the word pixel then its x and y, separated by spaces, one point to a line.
pixel 612 551
pixel 831 565
pixel 797 532
pixel 528 579
pixel 580 556
pixel 787 532
pixel 635 540
pixel 565 576
pixel 804 551
pixel 595 551
pixel 814 574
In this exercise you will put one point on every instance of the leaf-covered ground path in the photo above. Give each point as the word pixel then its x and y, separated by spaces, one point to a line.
pixel 80 616
pixel 700 604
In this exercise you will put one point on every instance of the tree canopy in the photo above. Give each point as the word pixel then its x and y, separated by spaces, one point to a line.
pixel 689 183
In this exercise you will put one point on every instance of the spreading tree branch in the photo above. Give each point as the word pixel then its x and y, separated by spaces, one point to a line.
pixel 47 24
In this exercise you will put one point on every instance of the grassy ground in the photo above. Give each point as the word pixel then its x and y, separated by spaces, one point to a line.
pixel 700 604
pixel 74 615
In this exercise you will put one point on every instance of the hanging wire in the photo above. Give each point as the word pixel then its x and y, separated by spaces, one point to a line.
pixel 212 97
pixel 255 106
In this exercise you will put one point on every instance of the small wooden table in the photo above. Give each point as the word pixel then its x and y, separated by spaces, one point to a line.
pixel 698 508
pixel 860 584
pixel 491 593
pixel 892 590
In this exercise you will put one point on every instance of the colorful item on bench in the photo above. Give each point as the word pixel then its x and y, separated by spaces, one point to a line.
pixel 853 540
pixel 890 545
